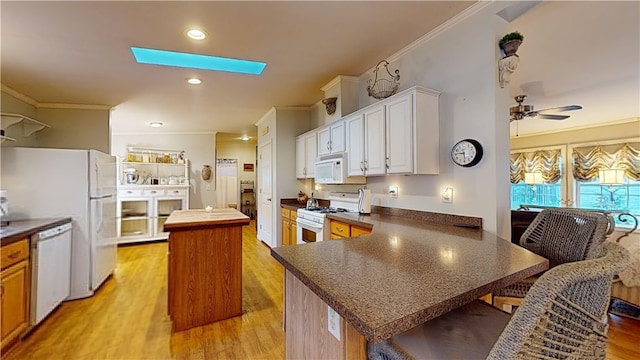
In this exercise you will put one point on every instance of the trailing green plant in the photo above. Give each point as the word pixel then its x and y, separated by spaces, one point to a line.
pixel 511 36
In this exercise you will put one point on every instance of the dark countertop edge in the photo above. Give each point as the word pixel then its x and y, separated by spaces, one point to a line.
pixel 293 204
pixel 362 224
pixel 46 224
pixel 403 324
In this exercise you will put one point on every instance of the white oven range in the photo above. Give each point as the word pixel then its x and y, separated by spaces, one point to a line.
pixel 312 223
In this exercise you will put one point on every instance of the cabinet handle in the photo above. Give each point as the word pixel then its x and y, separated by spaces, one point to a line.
pixel 361 165
pixel 386 163
pixel 129 192
pixel 328 148
pixel 153 191
pixel 304 171
pixel 365 165
pixel 339 229
pixel 14 254
pixel 2 289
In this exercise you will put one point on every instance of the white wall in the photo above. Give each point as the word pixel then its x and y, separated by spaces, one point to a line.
pixel 200 149
pixel 281 126
pixel 461 63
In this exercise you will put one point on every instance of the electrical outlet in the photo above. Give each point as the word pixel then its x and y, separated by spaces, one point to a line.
pixel 333 320
pixel 447 195
pixel 208 187
pixel 393 191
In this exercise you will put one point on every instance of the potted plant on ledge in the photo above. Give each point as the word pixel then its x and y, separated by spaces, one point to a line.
pixel 510 43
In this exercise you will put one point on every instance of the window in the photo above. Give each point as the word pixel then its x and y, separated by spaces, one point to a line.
pixel 537 178
pixel 603 176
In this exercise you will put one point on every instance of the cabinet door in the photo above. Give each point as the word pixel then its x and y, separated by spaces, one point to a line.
pixel 399 135
pixel 311 142
pixel 14 301
pixel 355 145
pixel 301 157
pixel 374 145
pixel 337 137
pixel 134 218
pixel 324 141
pixel 163 207
pixel 286 232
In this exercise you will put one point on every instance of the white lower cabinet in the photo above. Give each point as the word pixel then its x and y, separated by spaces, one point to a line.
pixel 142 211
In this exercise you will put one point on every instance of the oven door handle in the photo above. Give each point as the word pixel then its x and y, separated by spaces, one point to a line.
pixel 308 224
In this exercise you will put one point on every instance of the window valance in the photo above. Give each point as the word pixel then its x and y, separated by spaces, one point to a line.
pixel 545 161
pixel 589 160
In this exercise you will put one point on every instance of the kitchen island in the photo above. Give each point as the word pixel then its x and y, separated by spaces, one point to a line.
pixel 205 266
pixel 405 273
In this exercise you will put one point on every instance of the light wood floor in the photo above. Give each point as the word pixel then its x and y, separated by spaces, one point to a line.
pixel 127 318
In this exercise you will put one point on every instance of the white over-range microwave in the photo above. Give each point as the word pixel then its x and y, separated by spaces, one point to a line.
pixel 334 171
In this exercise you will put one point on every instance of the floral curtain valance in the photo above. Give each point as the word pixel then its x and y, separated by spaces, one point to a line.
pixel 545 161
pixel 589 160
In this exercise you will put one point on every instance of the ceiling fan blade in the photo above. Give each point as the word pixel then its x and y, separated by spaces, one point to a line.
pixel 552 117
pixel 561 108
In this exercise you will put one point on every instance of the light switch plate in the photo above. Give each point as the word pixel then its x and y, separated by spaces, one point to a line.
pixel 333 322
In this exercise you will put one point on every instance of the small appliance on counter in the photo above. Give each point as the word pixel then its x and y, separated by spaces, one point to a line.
pixel 364 201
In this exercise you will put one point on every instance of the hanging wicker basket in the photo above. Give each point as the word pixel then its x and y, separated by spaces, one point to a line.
pixel 383 88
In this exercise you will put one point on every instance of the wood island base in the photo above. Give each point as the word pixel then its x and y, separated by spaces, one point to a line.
pixel 204 266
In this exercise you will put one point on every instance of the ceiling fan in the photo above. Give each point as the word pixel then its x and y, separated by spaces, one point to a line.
pixel 521 111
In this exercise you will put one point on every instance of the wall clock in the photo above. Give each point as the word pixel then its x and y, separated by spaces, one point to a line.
pixel 467 152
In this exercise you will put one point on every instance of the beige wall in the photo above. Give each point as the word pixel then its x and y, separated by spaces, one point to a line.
pixel 75 129
pixel 624 130
pixel 70 128
pixel 200 149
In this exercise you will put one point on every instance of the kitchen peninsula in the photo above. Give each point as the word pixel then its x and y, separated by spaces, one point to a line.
pixel 205 266
pixel 405 273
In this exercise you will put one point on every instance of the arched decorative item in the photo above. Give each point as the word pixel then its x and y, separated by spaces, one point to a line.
pixel 330 104
pixel 206 172
pixel 383 88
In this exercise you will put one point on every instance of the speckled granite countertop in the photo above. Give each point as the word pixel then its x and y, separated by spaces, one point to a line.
pixel 19 229
pixel 406 271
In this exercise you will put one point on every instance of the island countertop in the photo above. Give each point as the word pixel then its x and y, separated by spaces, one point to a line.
pixel 185 219
pixel 406 271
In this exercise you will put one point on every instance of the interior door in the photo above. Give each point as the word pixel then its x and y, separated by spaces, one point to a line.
pixel 265 224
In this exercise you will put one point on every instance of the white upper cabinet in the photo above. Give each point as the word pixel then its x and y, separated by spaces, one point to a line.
pixel 354 126
pixel 311 153
pixel 306 155
pixel 331 138
pixel 301 157
pixel 374 144
pixel 399 131
pixel 397 135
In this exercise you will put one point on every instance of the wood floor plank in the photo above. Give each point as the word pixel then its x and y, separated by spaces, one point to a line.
pixel 127 318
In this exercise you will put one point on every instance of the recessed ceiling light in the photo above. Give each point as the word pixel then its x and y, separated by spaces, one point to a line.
pixel 194 81
pixel 245 138
pixel 156 124
pixel 196 61
pixel 196 34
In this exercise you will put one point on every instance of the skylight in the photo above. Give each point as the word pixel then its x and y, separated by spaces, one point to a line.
pixel 196 61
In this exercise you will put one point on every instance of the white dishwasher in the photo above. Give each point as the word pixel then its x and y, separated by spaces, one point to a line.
pixel 51 270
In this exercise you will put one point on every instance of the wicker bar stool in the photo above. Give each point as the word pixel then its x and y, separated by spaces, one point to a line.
pixel 560 235
pixel 563 316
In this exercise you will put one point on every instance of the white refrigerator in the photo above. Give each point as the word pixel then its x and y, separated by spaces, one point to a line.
pixel 81 184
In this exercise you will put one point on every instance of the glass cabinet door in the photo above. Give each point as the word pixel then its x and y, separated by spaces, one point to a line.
pixel 164 208
pixel 134 217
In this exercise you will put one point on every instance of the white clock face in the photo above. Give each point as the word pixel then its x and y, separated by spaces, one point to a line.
pixel 466 153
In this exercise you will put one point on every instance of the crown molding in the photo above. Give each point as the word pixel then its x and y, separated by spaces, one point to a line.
pixel 18 95
pixel 582 127
pixel 266 115
pixel 458 18
pixel 338 79
pixel 72 106
pixel 164 133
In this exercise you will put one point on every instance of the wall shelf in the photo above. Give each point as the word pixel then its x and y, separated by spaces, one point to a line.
pixel 29 125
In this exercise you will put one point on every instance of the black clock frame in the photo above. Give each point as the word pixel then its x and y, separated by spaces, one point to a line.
pixel 479 152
